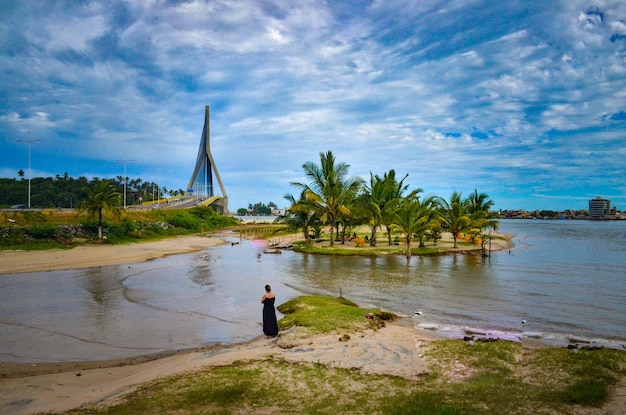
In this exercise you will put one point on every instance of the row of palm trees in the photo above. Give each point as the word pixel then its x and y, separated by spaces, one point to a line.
pixel 333 198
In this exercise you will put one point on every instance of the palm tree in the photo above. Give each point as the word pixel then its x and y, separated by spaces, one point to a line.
pixel 481 221
pixel 353 216
pixel 428 216
pixel 454 215
pixel 411 217
pixel 330 189
pixel 479 207
pixel 372 201
pixel 395 194
pixel 102 196
pixel 300 216
pixel 478 202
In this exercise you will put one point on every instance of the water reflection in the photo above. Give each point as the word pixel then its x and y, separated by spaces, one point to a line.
pixel 104 294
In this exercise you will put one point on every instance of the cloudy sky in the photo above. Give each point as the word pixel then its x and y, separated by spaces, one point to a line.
pixel 522 100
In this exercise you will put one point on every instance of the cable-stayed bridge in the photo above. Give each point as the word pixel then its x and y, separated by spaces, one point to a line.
pixel 201 187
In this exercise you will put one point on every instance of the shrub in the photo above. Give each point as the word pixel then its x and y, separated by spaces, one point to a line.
pixel 184 220
pixel 43 231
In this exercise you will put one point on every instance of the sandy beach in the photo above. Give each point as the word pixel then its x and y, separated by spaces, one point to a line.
pixel 393 350
pixel 15 262
pixel 29 389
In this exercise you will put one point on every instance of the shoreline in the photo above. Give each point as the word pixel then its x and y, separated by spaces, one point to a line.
pixel 395 350
pixel 65 386
pixel 87 256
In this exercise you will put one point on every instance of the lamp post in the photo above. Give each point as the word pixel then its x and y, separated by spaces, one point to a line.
pixel 125 178
pixel 160 174
pixel 28 142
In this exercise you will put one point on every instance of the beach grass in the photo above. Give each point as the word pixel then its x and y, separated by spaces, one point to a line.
pixel 276 386
pixel 322 315
pixel 497 377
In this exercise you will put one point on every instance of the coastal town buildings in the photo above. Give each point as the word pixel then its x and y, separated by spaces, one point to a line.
pixel 599 208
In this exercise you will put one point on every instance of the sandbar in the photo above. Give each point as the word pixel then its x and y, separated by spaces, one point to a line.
pixel 85 256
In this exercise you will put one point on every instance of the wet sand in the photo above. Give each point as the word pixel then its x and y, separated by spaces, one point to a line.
pixel 29 389
pixel 15 262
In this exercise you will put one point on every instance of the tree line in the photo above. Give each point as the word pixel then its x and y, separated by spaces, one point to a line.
pixel 333 198
pixel 70 192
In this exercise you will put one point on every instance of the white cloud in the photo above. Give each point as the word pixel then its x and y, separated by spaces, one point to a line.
pixel 413 86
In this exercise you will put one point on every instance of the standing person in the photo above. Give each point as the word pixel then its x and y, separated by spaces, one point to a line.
pixel 270 325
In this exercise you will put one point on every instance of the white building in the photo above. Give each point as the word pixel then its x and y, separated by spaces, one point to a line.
pixel 599 208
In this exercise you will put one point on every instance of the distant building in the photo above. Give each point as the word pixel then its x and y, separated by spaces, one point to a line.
pixel 599 208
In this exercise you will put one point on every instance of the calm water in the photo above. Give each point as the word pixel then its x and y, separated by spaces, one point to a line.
pixel 562 278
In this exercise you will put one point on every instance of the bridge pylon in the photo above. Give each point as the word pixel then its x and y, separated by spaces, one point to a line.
pixel 201 186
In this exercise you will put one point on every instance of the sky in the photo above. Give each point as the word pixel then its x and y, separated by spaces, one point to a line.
pixel 522 100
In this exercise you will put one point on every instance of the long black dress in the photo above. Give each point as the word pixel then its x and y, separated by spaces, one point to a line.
pixel 270 325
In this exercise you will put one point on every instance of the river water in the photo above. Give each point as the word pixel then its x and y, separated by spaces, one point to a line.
pixel 563 278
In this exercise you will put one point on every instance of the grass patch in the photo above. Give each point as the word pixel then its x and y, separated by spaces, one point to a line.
pixel 343 250
pixel 320 315
pixel 504 378
pixel 276 386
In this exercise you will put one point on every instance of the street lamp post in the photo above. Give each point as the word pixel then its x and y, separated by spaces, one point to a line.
pixel 160 172
pixel 28 142
pixel 125 178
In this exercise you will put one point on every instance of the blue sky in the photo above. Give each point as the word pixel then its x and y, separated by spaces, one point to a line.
pixel 522 100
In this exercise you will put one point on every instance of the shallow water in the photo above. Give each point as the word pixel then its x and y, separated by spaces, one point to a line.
pixel 563 277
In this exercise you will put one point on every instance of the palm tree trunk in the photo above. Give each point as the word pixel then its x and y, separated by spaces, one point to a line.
pixel 408 248
pixel 99 223
pixel 373 237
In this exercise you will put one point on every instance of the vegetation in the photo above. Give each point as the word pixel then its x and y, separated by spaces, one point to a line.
pixel 334 199
pixel 302 217
pixel 101 197
pixel 69 192
pixel 330 191
pixel 52 229
pixel 463 378
pixel 257 209
pixel 321 315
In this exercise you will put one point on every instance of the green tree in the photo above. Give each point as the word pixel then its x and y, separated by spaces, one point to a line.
pixel 330 189
pixel 101 197
pixel 478 202
pixel 372 201
pixel 453 215
pixel 411 217
pixel 352 216
pixel 428 218
pixel 395 194
pixel 300 215
pixel 479 209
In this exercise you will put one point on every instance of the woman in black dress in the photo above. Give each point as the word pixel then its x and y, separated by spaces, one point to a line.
pixel 270 325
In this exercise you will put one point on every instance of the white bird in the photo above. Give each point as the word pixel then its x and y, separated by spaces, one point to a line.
pixel 523 321
pixel 419 313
